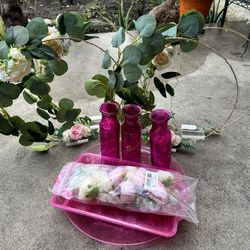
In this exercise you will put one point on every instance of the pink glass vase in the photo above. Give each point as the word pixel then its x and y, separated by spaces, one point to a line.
pixel 160 139
pixel 109 129
pixel 131 133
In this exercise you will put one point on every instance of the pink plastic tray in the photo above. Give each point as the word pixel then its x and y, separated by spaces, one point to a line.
pixel 150 225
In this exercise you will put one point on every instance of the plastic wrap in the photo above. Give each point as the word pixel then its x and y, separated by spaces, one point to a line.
pixel 131 188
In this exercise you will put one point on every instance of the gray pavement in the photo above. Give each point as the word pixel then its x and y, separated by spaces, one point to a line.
pixel 205 92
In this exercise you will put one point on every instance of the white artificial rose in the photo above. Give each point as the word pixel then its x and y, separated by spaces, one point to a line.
pixel 54 42
pixel 162 60
pixel 65 136
pixel 16 54
pixel 17 70
pixel 3 75
pixel 176 141
pixel 85 187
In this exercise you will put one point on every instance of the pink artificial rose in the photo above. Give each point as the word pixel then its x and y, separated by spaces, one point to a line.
pixel 128 192
pixel 117 175
pixel 159 192
pixel 78 131
pixel 173 136
pixel 138 178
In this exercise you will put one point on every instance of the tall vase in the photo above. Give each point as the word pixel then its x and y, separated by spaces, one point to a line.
pixel 131 133
pixel 202 6
pixel 160 139
pixel 109 130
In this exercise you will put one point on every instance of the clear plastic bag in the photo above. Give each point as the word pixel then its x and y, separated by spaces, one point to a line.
pixel 131 188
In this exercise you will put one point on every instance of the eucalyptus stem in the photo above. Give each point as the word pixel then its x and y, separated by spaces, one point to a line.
pixel 5 113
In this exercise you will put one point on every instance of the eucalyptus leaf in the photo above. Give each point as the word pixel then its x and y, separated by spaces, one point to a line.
pixel 72 114
pixel 17 122
pixel 112 79
pixel 46 105
pixel 146 25
pixel 17 35
pixel 106 62
pixel 156 42
pixel 131 54
pixel 51 128
pixel 146 53
pixel 43 52
pixel 115 80
pixel 169 89
pixel 75 32
pixel 198 16
pixel 160 86
pixel 165 26
pixel 37 28
pixel 96 86
pixel 29 97
pixel 132 72
pixel 66 104
pixel 5 100
pixel 189 26
pixel 58 67
pixel 37 86
pixel 43 114
pixel 4 50
pixel 118 38
pixel 187 46
pixel 5 126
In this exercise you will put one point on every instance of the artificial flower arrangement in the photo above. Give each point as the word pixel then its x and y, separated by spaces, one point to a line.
pixel 131 188
pixel 30 57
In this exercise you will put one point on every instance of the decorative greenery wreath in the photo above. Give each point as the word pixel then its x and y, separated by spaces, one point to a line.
pixel 30 57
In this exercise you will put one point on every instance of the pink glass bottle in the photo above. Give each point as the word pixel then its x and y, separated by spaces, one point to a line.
pixel 109 129
pixel 131 133
pixel 160 139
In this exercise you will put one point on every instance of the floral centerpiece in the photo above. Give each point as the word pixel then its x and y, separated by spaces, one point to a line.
pixel 31 56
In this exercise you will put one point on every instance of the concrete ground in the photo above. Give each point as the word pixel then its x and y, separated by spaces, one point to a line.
pixel 205 93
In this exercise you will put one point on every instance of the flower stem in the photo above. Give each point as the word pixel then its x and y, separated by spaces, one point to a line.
pixel 5 113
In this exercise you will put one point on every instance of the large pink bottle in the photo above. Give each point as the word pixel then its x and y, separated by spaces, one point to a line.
pixel 160 139
pixel 109 130
pixel 131 133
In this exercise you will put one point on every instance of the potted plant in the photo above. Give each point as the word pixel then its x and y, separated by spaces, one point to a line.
pixel 201 6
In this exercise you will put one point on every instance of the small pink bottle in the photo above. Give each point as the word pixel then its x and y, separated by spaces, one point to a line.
pixel 131 133
pixel 160 139
pixel 109 130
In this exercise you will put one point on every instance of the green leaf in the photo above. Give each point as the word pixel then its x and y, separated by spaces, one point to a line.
pixel 131 54
pixel 115 80
pixel 93 192
pixel 187 46
pixel 160 86
pixel 8 92
pixel 33 132
pixel 112 79
pixel 10 89
pixel 106 62
pixel 66 104
pixel 198 16
pixel 170 74
pixel 97 86
pixel 156 42
pixel 29 97
pixel 71 115
pixel 43 52
pixel 169 89
pixel 145 120
pixel 37 28
pixel 5 126
pixel 4 50
pixel 146 25
pixel 51 128
pixel 17 122
pixel 37 86
pixel 146 53
pixel 189 27
pixel 118 38
pixel 66 125
pixel 44 105
pixel 43 114
pixel 58 67
pixel 42 147
pixel 132 72
pixel 17 35
pixel 75 32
